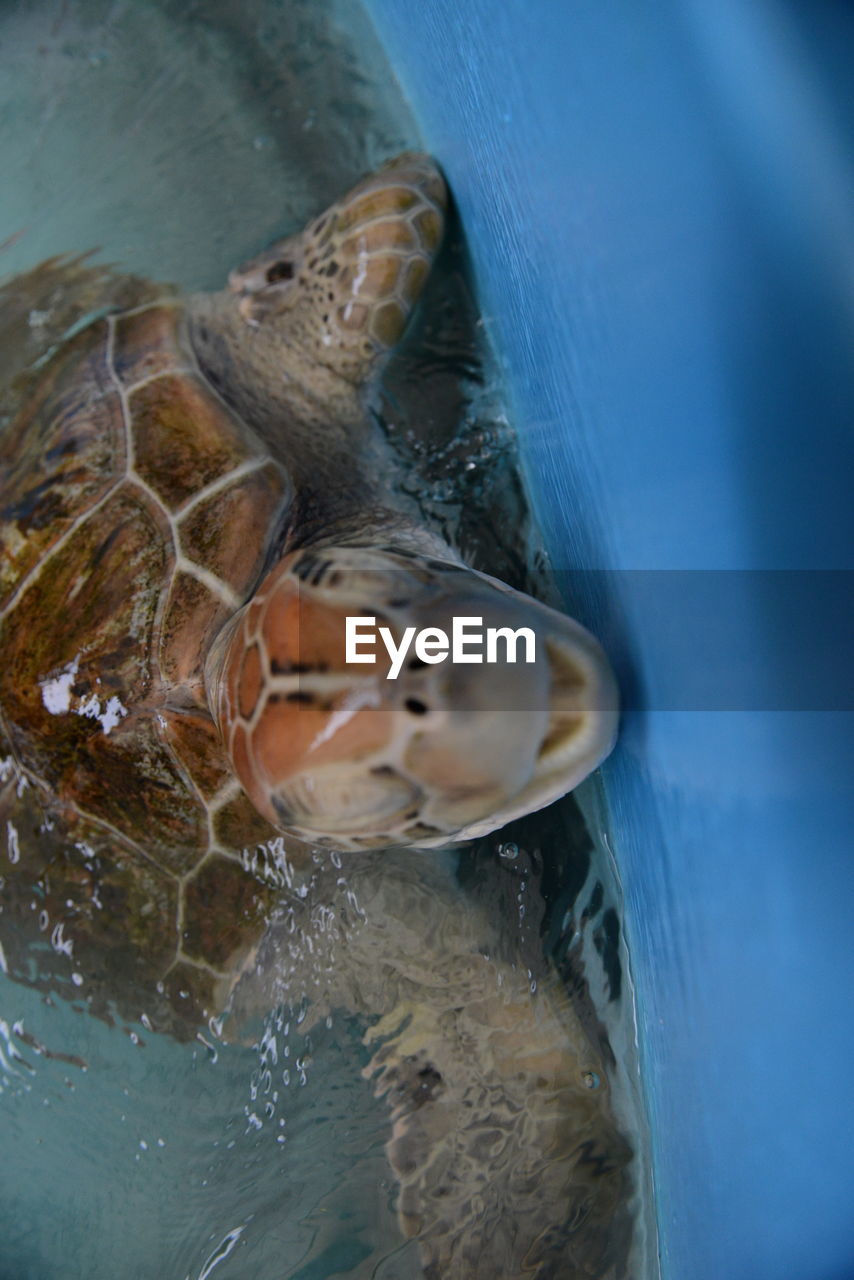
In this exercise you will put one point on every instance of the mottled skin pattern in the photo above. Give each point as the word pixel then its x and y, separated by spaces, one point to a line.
pixel 193 498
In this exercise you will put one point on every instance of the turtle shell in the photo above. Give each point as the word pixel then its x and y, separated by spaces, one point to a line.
pixel 137 513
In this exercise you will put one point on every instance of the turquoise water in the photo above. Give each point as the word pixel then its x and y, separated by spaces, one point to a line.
pixel 145 1161
pixel 177 140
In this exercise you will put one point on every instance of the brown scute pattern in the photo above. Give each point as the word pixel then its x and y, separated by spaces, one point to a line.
pixel 374 277
pixel 393 234
pixel 59 456
pixel 290 613
pixel 238 825
pixel 107 581
pixel 290 737
pixel 118 910
pixel 225 910
pixel 429 226
pixel 147 342
pixel 195 740
pixel 413 281
pixel 230 532
pixel 133 928
pixel 33 814
pixel 109 578
pixel 387 323
pixel 384 200
pixel 430 182
pixel 352 316
pixel 251 679
pixel 131 780
pixel 193 617
pixel 184 438
pixel 240 752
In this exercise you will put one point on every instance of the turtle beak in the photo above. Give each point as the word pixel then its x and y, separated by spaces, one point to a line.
pixel 509 734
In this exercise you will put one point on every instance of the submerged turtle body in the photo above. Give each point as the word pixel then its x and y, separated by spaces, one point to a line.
pixel 193 502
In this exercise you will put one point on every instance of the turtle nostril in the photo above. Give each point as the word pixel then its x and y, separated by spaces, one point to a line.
pixel 283 270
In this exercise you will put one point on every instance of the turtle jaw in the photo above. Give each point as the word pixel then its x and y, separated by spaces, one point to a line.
pixel 355 756
pixel 343 289
pixel 580 712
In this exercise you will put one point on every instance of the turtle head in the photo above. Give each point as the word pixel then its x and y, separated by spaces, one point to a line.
pixel 350 723
pixel 342 290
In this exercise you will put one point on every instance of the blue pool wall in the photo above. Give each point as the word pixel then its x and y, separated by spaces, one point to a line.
pixel 659 205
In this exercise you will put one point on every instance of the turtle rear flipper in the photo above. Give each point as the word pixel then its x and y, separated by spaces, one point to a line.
pixel 503 1140
pixel 508 1159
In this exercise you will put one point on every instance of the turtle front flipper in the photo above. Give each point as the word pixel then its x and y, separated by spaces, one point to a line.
pixel 343 288
pixel 304 327
pixel 508 1161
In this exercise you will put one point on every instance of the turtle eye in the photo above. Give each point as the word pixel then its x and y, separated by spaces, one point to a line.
pixel 282 270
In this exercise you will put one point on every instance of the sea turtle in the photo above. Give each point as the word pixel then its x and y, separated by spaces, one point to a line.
pixel 195 499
